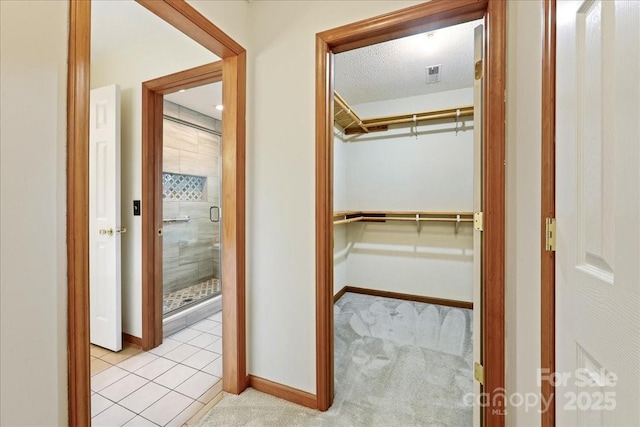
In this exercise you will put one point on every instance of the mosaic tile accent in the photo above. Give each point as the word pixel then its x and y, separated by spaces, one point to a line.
pixel 191 294
pixel 181 187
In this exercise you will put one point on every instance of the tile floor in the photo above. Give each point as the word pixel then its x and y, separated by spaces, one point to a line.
pixel 165 386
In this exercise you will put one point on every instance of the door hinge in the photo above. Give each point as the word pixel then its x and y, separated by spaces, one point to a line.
pixel 478 70
pixel 478 372
pixel 550 234
pixel 478 221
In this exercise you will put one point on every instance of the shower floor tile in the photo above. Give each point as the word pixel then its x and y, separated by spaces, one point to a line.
pixel 191 294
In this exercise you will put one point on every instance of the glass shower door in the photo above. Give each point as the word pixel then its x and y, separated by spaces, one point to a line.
pixel 191 210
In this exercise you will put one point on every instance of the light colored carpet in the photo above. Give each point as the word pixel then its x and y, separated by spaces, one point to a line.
pixel 397 363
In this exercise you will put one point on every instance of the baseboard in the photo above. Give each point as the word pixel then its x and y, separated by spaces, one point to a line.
pixel 131 339
pixel 341 292
pixel 406 297
pixel 283 392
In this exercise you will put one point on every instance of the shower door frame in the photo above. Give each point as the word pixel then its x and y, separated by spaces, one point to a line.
pixel 153 92
pixel 189 21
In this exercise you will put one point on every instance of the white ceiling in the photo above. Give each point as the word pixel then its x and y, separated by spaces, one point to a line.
pixel 390 70
pixel 396 69
pixel 202 99
pixel 119 24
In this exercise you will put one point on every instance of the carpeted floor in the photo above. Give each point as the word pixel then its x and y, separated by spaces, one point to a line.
pixel 397 363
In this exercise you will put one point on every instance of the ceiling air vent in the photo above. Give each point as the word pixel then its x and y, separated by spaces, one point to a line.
pixel 434 73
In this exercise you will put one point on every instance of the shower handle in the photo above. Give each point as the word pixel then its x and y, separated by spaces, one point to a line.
pixel 215 218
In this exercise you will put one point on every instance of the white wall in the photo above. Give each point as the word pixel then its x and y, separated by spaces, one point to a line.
pixel 281 181
pixel 403 171
pixel 522 296
pixel 128 68
pixel 33 296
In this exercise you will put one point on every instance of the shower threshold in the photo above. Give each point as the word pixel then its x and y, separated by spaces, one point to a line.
pixel 175 301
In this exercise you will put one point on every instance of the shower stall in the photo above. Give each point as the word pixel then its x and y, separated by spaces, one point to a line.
pixel 191 215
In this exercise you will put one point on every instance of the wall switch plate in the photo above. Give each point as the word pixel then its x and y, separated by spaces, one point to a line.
pixel 136 208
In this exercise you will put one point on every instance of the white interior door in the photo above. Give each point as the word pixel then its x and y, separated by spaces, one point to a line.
pixel 598 213
pixel 477 207
pixel 104 218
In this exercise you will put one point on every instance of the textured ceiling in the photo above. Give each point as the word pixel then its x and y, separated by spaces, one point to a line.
pixel 396 69
pixel 201 99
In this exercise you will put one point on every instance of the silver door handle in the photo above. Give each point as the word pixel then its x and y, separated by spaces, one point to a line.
pixel 215 218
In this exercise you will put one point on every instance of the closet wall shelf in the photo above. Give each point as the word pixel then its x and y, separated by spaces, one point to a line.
pixel 347 217
pixel 351 124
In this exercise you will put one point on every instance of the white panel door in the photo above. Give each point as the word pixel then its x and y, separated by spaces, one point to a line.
pixel 477 207
pixel 104 218
pixel 598 213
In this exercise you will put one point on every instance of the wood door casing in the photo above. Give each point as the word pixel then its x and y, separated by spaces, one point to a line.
pixel 413 20
pixel 185 18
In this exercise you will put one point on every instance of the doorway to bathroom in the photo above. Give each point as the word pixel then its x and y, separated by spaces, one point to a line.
pixel 191 206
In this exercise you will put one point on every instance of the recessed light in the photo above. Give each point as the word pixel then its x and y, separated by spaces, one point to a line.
pixel 182 90
pixel 219 107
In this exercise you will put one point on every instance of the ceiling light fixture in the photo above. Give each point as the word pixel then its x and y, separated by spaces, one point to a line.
pixel 219 107
pixel 431 43
pixel 182 90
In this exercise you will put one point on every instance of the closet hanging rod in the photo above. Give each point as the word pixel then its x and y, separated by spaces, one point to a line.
pixel 400 218
pixel 449 113
pixel 352 124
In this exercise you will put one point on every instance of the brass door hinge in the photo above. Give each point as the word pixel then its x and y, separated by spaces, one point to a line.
pixel 478 221
pixel 478 70
pixel 478 372
pixel 550 234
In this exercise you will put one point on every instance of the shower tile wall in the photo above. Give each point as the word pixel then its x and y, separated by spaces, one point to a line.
pixel 191 250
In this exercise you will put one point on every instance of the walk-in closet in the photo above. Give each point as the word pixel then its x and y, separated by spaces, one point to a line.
pixel 406 185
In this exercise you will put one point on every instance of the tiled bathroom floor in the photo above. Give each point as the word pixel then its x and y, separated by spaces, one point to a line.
pixel 165 386
pixel 189 295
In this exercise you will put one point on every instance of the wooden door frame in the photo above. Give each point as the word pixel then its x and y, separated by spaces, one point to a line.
pixel 153 92
pixel 189 21
pixel 417 19
pixel 548 208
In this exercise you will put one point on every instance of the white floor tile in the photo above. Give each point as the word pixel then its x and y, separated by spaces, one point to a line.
pixel 155 368
pixel 211 393
pixel 167 345
pixel 107 377
pixel 140 422
pixel 217 330
pixel 200 359
pixel 136 362
pixel 203 340
pixel 205 325
pixel 175 376
pixel 216 346
pixel 186 415
pixel 185 335
pixel 196 385
pixel 214 368
pixel 167 408
pixel 181 353
pixel 115 416
pixel 123 387
pixel 99 404
pixel 144 397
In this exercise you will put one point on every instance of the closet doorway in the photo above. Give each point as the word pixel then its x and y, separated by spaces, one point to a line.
pixel 394 184
pixel 406 184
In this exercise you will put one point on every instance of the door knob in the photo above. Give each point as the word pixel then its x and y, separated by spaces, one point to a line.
pixel 121 230
pixel 104 231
